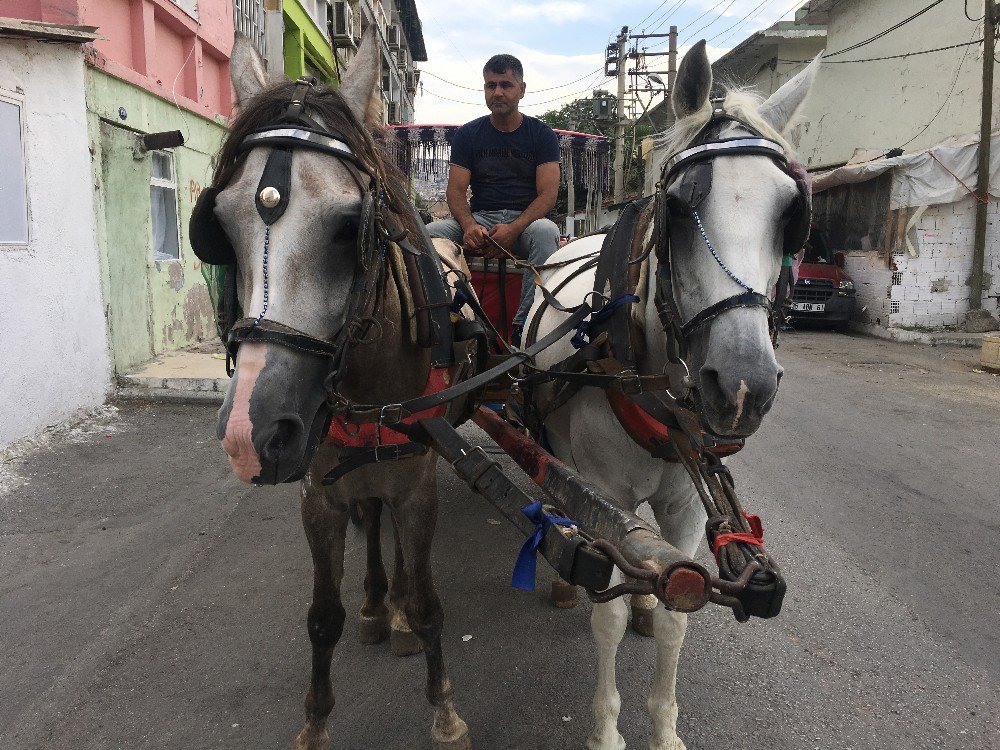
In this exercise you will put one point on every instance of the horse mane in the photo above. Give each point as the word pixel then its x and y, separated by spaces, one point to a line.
pixel 327 105
pixel 742 103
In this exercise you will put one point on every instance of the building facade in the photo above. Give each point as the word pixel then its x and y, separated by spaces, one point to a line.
pixel 162 68
pixel 53 346
pixel 902 112
pixel 402 47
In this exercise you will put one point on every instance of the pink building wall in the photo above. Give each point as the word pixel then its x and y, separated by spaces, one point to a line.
pixel 153 44
pixel 156 45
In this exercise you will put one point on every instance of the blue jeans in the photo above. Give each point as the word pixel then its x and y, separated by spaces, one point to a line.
pixel 535 245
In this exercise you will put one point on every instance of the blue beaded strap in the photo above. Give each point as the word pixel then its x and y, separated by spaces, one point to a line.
pixel 267 244
pixel 715 255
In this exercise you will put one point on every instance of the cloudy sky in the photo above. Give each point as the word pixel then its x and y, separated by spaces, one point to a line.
pixel 561 44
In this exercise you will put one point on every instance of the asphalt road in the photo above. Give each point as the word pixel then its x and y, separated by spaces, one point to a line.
pixel 148 600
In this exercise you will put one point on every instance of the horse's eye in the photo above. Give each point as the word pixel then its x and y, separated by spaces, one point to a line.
pixel 348 230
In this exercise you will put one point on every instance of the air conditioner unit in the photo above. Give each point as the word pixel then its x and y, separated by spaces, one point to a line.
pixel 412 78
pixel 401 58
pixel 393 36
pixel 395 113
pixel 343 24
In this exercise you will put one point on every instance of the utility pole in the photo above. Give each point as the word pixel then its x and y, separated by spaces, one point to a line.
pixel 672 60
pixel 620 121
pixel 985 131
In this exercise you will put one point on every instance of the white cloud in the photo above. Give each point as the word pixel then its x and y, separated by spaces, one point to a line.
pixel 557 12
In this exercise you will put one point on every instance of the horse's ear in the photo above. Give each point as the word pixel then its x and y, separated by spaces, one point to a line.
pixel 694 82
pixel 247 69
pixel 782 105
pixel 357 85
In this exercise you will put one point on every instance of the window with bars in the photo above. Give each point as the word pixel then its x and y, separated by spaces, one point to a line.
pixel 248 17
pixel 13 182
pixel 163 207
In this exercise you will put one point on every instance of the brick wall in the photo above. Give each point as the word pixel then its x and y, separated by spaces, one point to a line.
pixel 932 289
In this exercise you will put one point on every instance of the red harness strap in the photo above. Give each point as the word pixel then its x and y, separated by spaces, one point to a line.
pixel 754 537
pixel 371 435
pixel 646 431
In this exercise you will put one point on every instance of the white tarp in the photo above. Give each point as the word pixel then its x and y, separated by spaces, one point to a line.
pixel 921 179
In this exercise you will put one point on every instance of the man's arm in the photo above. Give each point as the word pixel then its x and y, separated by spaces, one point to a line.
pixel 474 235
pixel 547 187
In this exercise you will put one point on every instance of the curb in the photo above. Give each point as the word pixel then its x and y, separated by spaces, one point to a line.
pixel 173 390
pixel 933 338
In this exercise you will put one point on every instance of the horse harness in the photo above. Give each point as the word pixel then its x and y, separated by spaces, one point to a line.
pixel 377 227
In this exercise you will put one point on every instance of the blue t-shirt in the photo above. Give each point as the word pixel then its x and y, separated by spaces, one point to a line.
pixel 503 164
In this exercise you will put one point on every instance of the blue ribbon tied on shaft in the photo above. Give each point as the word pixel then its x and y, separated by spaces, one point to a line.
pixel 582 334
pixel 524 569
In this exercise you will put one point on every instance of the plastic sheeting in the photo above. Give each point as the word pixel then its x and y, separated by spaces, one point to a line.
pixel 924 179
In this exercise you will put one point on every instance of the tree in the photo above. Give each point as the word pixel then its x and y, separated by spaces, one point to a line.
pixel 579 116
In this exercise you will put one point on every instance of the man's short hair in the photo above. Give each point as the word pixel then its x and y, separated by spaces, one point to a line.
pixel 500 64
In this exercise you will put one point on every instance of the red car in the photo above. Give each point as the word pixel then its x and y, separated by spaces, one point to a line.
pixel 824 292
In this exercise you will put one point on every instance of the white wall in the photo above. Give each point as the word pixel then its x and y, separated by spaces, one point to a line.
pixel 53 352
pixel 881 105
pixel 932 289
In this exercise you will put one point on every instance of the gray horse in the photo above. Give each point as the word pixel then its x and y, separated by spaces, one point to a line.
pixel 732 358
pixel 300 269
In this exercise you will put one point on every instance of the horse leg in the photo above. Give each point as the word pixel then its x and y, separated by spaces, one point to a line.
pixel 608 623
pixel 402 639
pixel 373 624
pixel 416 519
pixel 326 526
pixel 681 518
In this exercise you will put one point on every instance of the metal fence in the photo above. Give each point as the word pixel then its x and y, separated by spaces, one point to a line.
pixel 248 16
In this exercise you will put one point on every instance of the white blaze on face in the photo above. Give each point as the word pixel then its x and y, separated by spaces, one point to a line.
pixel 238 442
pixel 740 398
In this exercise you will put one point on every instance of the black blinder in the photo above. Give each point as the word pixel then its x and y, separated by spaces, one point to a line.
pixel 800 220
pixel 208 239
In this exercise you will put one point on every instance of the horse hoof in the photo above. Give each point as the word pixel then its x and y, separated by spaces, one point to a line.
pixel 373 629
pixel 404 643
pixel 312 738
pixel 563 595
pixel 462 743
pixel 642 621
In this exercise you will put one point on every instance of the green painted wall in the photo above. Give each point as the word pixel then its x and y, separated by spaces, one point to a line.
pixel 151 306
pixel 306 49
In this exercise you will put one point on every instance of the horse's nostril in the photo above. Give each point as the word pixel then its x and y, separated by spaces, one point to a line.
pixel 285 432
pixel 710 385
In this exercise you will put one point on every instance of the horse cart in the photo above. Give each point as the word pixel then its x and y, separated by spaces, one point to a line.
pixel 635 332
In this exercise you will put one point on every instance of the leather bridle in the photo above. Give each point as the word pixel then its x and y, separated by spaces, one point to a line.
pixel 685 182
pixel 296 130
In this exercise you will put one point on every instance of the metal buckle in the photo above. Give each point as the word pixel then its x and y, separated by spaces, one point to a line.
pixel 629 382
pixel 396 415
pixel 472 479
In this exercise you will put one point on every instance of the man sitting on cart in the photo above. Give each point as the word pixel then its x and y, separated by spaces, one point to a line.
pixel 511 161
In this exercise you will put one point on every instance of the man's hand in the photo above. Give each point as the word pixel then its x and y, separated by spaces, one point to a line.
pixel 475 238
pixel 505 235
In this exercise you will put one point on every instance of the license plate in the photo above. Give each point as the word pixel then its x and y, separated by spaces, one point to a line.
pixel 809 306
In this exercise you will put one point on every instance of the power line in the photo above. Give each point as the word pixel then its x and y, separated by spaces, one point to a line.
pixel 886 32
pixel 887 57
pixel 948 96
pixel 710 23
pixel 534 91
pixel 594 82
pixel 742 20
pixel 648 15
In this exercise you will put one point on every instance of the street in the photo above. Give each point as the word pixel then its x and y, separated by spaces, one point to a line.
pixel 149 600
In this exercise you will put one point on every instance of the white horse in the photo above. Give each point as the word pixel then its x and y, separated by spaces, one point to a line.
pixel 732 359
